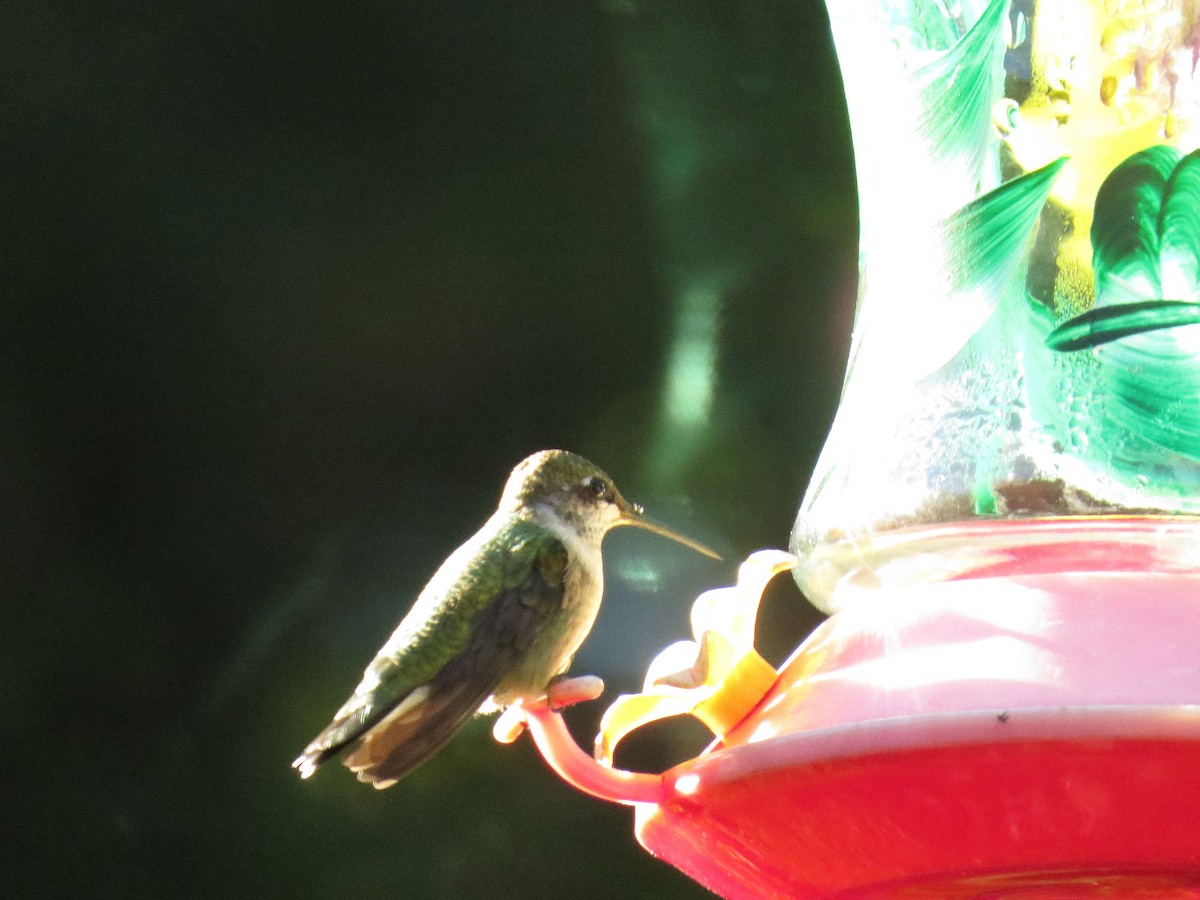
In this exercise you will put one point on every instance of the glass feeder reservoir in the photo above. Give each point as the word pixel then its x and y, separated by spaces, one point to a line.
pixel 1025 345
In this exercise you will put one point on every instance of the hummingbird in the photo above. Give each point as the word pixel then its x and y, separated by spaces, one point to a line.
pixel 498 622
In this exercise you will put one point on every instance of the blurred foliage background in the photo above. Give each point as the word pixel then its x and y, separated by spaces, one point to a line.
pixel 289 288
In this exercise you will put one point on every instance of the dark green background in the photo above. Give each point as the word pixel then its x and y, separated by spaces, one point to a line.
pixel 288 289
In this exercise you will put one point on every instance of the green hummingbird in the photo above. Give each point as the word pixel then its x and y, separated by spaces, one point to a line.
pixel 498 622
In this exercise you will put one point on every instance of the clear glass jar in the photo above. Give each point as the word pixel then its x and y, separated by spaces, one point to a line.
pixel 1026 344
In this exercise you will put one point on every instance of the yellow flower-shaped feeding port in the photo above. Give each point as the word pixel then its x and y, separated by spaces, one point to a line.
pixel 719 677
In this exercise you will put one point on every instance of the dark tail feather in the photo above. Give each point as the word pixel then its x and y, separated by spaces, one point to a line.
pixel 358 717
pixel 411 735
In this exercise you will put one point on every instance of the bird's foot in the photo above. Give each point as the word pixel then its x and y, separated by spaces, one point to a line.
pixel 566 690
pixel 561 692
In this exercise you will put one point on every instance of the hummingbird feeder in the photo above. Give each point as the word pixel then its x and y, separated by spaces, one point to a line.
pixel 1004 524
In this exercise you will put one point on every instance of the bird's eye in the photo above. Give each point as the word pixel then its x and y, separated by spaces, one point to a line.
pixel 598 487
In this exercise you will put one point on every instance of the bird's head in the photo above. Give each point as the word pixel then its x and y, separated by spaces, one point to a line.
pixel 582 496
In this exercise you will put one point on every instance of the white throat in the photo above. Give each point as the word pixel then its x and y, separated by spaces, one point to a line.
pixel 583 548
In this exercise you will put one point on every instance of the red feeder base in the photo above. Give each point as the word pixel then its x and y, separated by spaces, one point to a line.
pixel 1032 736
pixel 1025 734
pixel 1045 803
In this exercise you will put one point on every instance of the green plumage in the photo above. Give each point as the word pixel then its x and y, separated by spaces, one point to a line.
pixel 499 620
pixel 470 627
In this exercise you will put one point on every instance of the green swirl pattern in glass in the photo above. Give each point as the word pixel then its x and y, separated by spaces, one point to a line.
pixel 1027 337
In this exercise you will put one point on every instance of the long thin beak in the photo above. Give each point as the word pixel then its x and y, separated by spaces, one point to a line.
pixel 631 514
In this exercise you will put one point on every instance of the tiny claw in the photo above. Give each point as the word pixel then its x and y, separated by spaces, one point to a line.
pixel 510 725
pixel 563 691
